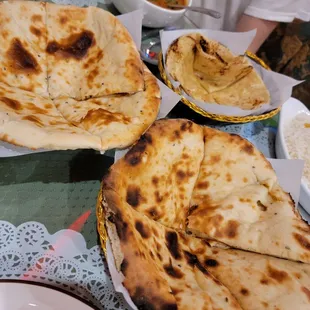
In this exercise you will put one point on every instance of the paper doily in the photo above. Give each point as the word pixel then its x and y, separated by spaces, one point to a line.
pixel 29 252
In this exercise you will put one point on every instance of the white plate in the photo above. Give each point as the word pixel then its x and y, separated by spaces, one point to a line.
pixel 289 110
pixel 30 296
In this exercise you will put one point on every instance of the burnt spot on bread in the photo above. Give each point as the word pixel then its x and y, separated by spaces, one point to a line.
pixel 76 46
pixel 228 177
pixel 173 244
pixel 187 126
pixel 36 31
pixel 36 18
pixel 174 46
pixel 306 291
pixel 133 196
pixel 20 60
pixel 11 103
pixel 63 20
pixel 159 198
pixel 278 275
pixel 209 262
pixel 144 301
pixel 261 206
pixel 218 56
pixel 155 180
pixel 245 292
pixel 153 213
pixel 302 241
pixel 142 229
pixel 264 281
pixel 204 45
pixel 124 266
pixel 134 156
pixel 121 226
pixel 248 148
pixel 33 119
pixel 203 185
pixel 214 159
pixel 231 229
pixel 192 209
pixel 172 271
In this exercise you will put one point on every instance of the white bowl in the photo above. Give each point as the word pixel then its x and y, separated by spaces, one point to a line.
pixel 154 15
pixel 289 110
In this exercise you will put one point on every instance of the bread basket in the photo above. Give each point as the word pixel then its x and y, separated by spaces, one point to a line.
pixel 218 117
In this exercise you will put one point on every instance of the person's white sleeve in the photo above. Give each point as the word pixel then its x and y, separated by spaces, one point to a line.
pixel 279 10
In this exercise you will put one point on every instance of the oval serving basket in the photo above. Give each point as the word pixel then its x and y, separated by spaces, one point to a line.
pixel 218 117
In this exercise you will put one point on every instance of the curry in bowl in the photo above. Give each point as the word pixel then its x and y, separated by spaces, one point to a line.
pixel 166 3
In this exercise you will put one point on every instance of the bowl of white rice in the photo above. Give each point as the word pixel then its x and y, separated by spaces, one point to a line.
pixel 293 142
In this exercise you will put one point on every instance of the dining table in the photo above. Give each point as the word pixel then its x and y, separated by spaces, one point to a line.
pixel 48 225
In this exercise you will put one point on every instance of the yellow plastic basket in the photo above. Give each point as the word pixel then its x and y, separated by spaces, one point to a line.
pixel 218 117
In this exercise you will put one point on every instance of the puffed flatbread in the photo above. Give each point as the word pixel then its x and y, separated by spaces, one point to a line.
pixel 23 44
pixel 237 200
pixel 90 54
pixel 27 119
pixel 159 270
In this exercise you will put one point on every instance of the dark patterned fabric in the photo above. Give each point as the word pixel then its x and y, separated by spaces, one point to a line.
pixel 287 50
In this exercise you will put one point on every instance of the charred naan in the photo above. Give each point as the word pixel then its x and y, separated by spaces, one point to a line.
pixel 159 270
pixel 90 54
pixel 158 174
pixel 23 44
pixel 237 200
pixel 27 119
pixel 208 71
pixel 118 120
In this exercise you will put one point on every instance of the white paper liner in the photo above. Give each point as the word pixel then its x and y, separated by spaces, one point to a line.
pixel 133 22
pixel 279 85
pixel 289 173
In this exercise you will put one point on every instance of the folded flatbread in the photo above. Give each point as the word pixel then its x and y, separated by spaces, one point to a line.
pixel 208 71
pixel 79 65
pixel 237 200
pixel 90 54
pixel 158 269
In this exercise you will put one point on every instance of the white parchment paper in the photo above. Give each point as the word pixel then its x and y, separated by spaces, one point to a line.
pixel 289 173
pixel 133 22
pixel 279 86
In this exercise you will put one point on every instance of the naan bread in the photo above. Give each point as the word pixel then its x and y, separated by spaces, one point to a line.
pixel 23 44
pixel 237 200
pixel 257 281
pixel 158 174
pixel 118 120
pixel 27 119
pixel 90 54
pixel 208 71
pixel 159 271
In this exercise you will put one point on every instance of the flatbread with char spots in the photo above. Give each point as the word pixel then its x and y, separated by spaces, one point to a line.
pixel 237 200
pixel 208 71
pixel 159 271
pixel 90 54
pixel 27 119
pixel 257 281
pixel 23 45
pixel 119 120
pixel 157 176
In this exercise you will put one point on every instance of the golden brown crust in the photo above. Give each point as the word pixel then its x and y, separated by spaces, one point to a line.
pixel 208 71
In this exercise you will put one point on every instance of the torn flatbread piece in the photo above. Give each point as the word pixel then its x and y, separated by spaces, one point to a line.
pixel 90 54
pixel 27 119
pixel 119 120
pixel 23 44
pixel 158 269
pixel 237 200
pixel 157 175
